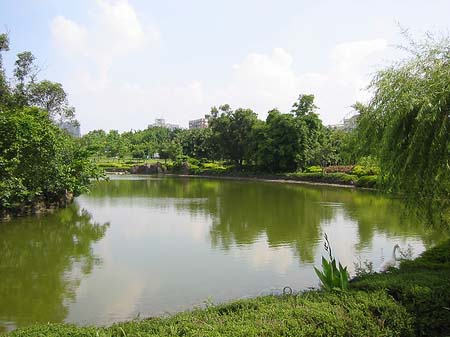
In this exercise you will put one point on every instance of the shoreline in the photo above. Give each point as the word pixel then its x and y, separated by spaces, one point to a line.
pixel 262 178
pixel 37 207
pixel 281 180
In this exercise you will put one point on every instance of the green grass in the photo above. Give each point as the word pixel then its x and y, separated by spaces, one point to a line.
pixel 310 314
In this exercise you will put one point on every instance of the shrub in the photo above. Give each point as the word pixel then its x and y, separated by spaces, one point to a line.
pixel 367 181
pixel 332 178
pixel 313 169
pixel 341 178
pixel 212 166
pixel 422 287
pixel 39 161
pixel 365 170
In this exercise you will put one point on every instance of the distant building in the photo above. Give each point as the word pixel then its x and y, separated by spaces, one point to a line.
pixel 161 123
pixel 200 123
pixel 72 128
pixel 348 124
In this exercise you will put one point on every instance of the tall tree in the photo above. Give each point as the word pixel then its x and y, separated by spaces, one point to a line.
pixel 49 96
pixel 310 131
pixel 281 142
pixel 232 131
pixel 4 89
pixel 410 111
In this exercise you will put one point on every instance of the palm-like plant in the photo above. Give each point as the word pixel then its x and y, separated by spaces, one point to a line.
pixel 333 275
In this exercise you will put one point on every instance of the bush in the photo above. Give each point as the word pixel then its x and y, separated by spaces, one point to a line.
pixel 339 178
pixel 365 170
pixel 422 287
pixel 212 166
pixel 331 178
pixel 39 161
pixel 367 181
pixel 313 169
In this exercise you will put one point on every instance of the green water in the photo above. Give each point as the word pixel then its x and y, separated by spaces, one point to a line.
pixel 140 246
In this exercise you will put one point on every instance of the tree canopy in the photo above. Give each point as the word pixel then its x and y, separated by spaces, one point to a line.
pixel 407 125
pixel 38 160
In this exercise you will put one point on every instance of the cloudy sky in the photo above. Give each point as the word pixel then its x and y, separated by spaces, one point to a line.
pixel 126 62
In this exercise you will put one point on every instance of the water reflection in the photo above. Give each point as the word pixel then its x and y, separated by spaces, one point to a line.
pixel 169 244
pixel 42 260
pixel 243 211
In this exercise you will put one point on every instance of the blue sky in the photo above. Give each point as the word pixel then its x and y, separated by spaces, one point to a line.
pixel 126 62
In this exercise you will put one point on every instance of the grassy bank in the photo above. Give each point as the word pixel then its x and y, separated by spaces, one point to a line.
pixel 411 301
pixel 338 175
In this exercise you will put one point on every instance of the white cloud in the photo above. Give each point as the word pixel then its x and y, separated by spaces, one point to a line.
pixel 265 81
pixel 261 81
pixel 115 32
pixel 69 35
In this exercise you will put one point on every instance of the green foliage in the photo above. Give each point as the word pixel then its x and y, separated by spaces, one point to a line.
pixel 365 170
pixel 422 287
pixel 314 169
pixel 197 143
pixel 331 178
pixel 282 143
pixel 38 160
pixel 308 314
pixel 276 142
pixel 407 126
pixel 332 276
pixel 231 131
pixel 367 181
pixel 311 133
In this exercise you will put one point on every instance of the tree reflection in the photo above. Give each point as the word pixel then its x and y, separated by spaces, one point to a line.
pixel 288 214
pixel 285 214
pixel 42 260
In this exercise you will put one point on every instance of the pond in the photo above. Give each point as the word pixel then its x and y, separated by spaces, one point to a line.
pixel 142 246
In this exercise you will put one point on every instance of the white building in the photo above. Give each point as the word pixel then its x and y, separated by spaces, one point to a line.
pixel 200 123
pixel 348 124
pixel 161 123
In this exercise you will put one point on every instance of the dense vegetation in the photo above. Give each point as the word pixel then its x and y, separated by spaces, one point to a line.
pixel 406 126
pixel 39 162
pixel 285 142
pixel 412 301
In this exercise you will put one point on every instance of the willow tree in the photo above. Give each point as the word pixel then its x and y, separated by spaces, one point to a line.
pixel 408 118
